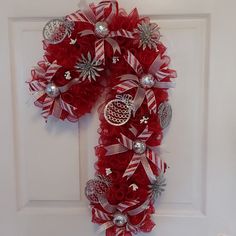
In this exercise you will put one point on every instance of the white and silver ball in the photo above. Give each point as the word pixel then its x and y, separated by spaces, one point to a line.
pixel 139 147
pixel 120 219
pixel 52 90
pixel 101 29
pixel 147 81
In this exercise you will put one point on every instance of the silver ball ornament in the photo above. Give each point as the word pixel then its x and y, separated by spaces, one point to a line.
pixel 147 81
pixel 120 219
pixel 139 147
pixel 52 90
pixel 101 29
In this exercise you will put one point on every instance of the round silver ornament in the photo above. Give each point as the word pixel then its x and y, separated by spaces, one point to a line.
pixel 55 31
pixel 52 90
pixel 101 29
pixel 139 147
pixel 120 219
pixel 165 114
pixel 118 111
pixel 94 189
pixel 147 81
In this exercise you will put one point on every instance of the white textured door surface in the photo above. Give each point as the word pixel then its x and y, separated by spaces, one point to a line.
pixel 44 167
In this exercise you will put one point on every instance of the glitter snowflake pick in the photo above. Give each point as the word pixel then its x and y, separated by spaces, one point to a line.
pixel 88 68
pixel 149 35
pixel 157 187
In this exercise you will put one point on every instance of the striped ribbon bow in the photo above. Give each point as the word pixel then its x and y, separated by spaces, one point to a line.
pixel 126 144
pixel 158 70
pixel 86 14
pixel 107 216
pixel 45 71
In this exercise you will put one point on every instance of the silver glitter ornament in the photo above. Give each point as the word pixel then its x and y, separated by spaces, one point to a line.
pixel 52 90
pixel 165 114
pixel 56 30
pixel 94 189
pixel 139 147
pixel 147 81
pixel 120 219
pixel 88 68
pixel 118 112
pixel 101 29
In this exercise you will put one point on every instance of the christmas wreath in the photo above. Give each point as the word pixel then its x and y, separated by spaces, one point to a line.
pixel 100 49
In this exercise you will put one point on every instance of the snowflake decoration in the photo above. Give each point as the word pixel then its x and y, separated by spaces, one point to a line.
pixel 88 68
pixel 157 187
pixel 149 35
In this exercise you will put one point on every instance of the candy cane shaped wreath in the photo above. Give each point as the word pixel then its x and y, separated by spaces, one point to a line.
pixel 102 48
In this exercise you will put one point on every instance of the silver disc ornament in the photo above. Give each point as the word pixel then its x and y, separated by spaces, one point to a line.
pixel 94 189
pixel 118 112
pixel 56 30
pixel 165 114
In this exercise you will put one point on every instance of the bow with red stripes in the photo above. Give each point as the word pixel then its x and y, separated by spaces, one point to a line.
pixel 107 216
pixel 158 70
pixel 126 144
pixel 44 73
pixel 87 15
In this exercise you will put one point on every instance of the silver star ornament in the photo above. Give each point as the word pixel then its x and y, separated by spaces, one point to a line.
pixel 149 35
pixel 88 68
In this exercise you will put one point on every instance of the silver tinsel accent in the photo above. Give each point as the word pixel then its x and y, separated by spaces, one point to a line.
pixel 88 68
pixel 149 35
pixel 157 187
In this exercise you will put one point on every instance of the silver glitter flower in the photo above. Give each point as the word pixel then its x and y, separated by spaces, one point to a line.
pixel 149 35
pixel 157 187
pixel 88 68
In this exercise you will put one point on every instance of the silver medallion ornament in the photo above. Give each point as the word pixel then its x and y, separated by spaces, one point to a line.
pixel 101 29
pixel 149 35
pixel 56 30
pixel 139 147
pixel 95 189
pixel 147 81
pixel 120 219
pixel 88 68
pixel 165 114
pixel 118 111
pixel 157 187
pixel 52 90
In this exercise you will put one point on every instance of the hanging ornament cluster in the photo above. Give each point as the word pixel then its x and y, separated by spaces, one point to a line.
pixel 102 48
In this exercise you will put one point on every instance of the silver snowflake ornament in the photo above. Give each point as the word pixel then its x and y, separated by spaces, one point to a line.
pixel 149 35
pixel 88 68
pixel 157 187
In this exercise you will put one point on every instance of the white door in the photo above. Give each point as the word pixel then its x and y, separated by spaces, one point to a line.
pixel 43 168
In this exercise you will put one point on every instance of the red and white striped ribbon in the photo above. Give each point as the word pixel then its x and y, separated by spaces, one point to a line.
pixel 100 50
pixel 36 86
pixel 151 100
pixel 51 71
pixel 126 142
pixel 133 165
pixel 145 135
pixel 67 107
pixel 122 33
pixel 101 215
pixel 126 205
pixel 78 16
pixel 47 107
pixel 134 63
pixel 102 6
pixel 125 86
